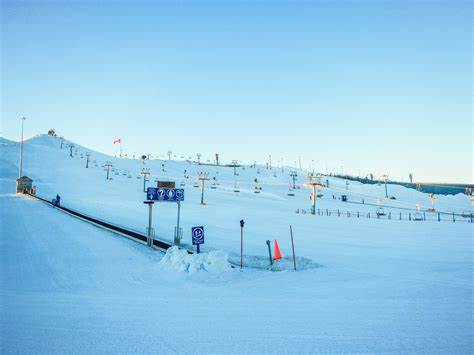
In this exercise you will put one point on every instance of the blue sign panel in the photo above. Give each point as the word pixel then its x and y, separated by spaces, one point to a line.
pixel 198 235
pixel 165 194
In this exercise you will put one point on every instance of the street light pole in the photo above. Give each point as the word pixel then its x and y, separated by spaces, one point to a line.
pixel 20 168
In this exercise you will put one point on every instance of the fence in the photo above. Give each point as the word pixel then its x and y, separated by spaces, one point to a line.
pixel 407 216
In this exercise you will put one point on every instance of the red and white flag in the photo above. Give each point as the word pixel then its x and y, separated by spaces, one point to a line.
pixel 117 141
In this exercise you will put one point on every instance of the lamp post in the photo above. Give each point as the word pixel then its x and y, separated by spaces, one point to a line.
pixel 20 168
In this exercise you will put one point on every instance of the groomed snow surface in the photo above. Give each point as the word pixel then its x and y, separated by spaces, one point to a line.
pixel 365 285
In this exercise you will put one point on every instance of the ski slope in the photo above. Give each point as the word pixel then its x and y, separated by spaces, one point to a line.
pixel 376 285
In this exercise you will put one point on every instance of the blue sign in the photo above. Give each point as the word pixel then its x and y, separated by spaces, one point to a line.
pixel 198 235
pixel 165 194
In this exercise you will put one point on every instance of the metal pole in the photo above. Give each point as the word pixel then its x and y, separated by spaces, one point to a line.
pixel 20 169
pixel 176 239
pixel 293 247
pixel 149 237
pixel 108 168
pixel 386 193
pixel 269 252
pixel 241 246
pixel 144 183
pixel 313 207
pixel 202 192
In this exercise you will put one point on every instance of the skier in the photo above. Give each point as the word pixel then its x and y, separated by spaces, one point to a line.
pixel 57 201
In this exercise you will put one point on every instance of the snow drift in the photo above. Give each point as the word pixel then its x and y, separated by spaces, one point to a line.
pixel 179 259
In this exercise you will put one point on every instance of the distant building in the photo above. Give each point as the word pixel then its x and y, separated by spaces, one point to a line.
pixel 24 184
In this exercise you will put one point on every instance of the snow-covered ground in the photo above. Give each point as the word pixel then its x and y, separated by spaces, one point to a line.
pixel 374 285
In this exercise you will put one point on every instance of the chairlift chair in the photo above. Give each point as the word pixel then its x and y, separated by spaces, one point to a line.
pixel 380 212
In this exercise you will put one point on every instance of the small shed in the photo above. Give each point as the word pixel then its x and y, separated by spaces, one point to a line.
pixel 24 184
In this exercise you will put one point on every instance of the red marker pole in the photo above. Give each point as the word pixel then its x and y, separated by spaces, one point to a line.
pixel 241 243
pixel 293 247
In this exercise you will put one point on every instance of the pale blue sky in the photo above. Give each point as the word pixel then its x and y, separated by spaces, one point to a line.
pixel 381 87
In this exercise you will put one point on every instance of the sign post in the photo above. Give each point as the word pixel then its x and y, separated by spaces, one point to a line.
pixel 178 234
pixel 149 238
pixel 168 194
pixel 198 237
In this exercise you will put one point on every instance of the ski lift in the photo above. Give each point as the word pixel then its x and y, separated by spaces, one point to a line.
pixel 257 190
pixel 417 216
pixel 290 192
pixel 380 212
pixel 236 187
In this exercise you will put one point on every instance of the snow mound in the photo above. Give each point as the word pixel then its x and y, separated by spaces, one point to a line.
pixel 180 260
pixel 284 264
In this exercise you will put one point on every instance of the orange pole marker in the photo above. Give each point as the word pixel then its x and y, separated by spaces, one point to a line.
pixel 276 251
